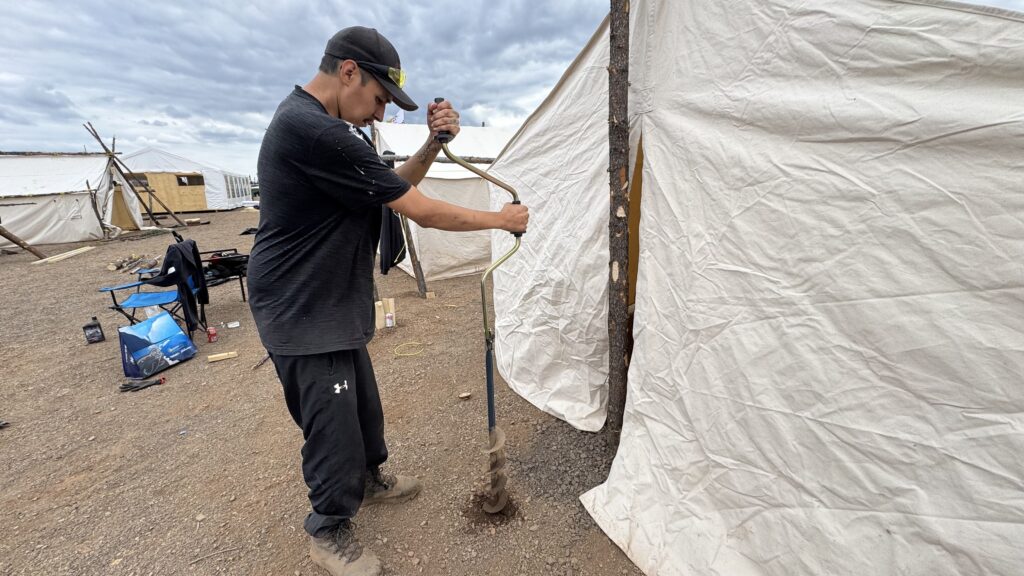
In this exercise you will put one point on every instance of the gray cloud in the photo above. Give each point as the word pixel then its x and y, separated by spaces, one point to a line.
pixel 203 79
pixel 175 112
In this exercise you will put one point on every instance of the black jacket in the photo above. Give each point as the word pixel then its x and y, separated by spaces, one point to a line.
pixel 182 262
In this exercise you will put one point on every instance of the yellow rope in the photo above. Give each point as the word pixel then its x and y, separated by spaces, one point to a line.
pixel 401 354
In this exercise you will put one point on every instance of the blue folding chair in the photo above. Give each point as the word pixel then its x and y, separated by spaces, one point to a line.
pixel 169 300
pixel 181 302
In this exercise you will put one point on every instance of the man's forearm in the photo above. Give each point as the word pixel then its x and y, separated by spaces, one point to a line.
pixel 415 168
pixel 454 218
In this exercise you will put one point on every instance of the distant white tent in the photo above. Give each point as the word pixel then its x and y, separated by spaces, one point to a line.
pixel 224 190
pixel 45 198
pixel 448 254
pixel 826 376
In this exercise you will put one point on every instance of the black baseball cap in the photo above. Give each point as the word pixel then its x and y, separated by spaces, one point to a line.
pixel 374 54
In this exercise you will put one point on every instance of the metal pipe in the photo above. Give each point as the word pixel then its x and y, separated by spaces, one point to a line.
pixel 515 200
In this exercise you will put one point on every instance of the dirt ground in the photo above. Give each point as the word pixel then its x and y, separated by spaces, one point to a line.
pixel 202 475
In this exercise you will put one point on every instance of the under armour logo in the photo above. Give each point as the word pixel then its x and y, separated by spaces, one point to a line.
pixel 339 387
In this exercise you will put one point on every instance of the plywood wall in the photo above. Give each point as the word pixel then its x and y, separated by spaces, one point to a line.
pixel 177 198
pixel 121 217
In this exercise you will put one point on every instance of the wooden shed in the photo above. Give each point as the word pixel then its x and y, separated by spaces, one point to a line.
pixel 185 185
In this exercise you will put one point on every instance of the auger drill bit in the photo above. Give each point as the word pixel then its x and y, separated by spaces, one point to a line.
pixel 497 497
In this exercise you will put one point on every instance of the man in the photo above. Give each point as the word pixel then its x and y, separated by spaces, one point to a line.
pixel 311 275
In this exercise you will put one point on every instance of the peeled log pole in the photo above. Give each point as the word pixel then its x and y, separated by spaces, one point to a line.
pixel 421 281
pixel 24 245
pixel 470 159
pixel 618 217
pixel 123 170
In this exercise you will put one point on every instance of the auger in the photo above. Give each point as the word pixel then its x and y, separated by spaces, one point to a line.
pixel 497 498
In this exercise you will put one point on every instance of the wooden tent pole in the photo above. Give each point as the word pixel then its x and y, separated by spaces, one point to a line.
pixel 24 245
pixel 470 159
pixel 110 157
pixel 618 217
pixel 123 169
pixel 410 245
pixel 95 208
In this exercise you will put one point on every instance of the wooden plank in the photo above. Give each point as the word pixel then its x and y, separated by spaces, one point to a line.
pixel 378 307
pixel 222 356
pixel 64 255
pixel 178 198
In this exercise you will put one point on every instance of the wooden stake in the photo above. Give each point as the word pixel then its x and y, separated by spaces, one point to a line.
pixel 618 217
pixel 24 245
pixel 223 356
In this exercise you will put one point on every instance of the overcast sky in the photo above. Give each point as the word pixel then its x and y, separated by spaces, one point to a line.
pixel 202 79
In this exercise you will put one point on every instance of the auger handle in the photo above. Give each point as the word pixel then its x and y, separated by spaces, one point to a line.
pixel 517 234
pixel 443 136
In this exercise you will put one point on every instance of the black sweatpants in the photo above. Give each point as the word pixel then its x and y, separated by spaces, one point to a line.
pixel 333 397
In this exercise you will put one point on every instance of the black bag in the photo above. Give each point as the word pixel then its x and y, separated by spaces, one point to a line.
pixel 224 266
pixel 392 241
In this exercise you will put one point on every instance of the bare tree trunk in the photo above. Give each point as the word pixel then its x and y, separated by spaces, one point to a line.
pixel 618 217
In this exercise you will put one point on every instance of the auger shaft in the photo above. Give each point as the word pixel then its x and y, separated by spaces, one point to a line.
pixel 497 497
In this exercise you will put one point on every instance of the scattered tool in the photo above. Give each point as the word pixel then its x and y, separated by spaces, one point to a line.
pixel 497 498
pixel 261 362
pixel 136 386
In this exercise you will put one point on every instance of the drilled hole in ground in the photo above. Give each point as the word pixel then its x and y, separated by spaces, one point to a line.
pixel 476 517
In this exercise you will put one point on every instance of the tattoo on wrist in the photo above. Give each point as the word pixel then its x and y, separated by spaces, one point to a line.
pixel 429 152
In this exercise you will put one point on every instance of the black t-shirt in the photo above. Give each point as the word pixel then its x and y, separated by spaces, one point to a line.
pixel 311 267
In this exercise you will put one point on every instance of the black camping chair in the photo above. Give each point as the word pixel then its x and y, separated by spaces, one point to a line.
pixel 222 266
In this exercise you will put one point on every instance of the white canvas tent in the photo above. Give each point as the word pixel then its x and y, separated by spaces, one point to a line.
pixel 448 254
pixel 44 198
pixel 826 376
pixel 224 190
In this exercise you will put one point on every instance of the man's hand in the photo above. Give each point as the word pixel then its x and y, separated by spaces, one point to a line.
pixel 431 213
pixel 515 217
pixel 442 117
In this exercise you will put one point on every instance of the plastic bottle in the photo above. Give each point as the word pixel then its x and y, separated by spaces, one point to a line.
pixel 93 332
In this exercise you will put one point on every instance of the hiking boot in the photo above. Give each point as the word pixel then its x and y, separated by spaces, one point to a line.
pixel 340 553
pixel 390 489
